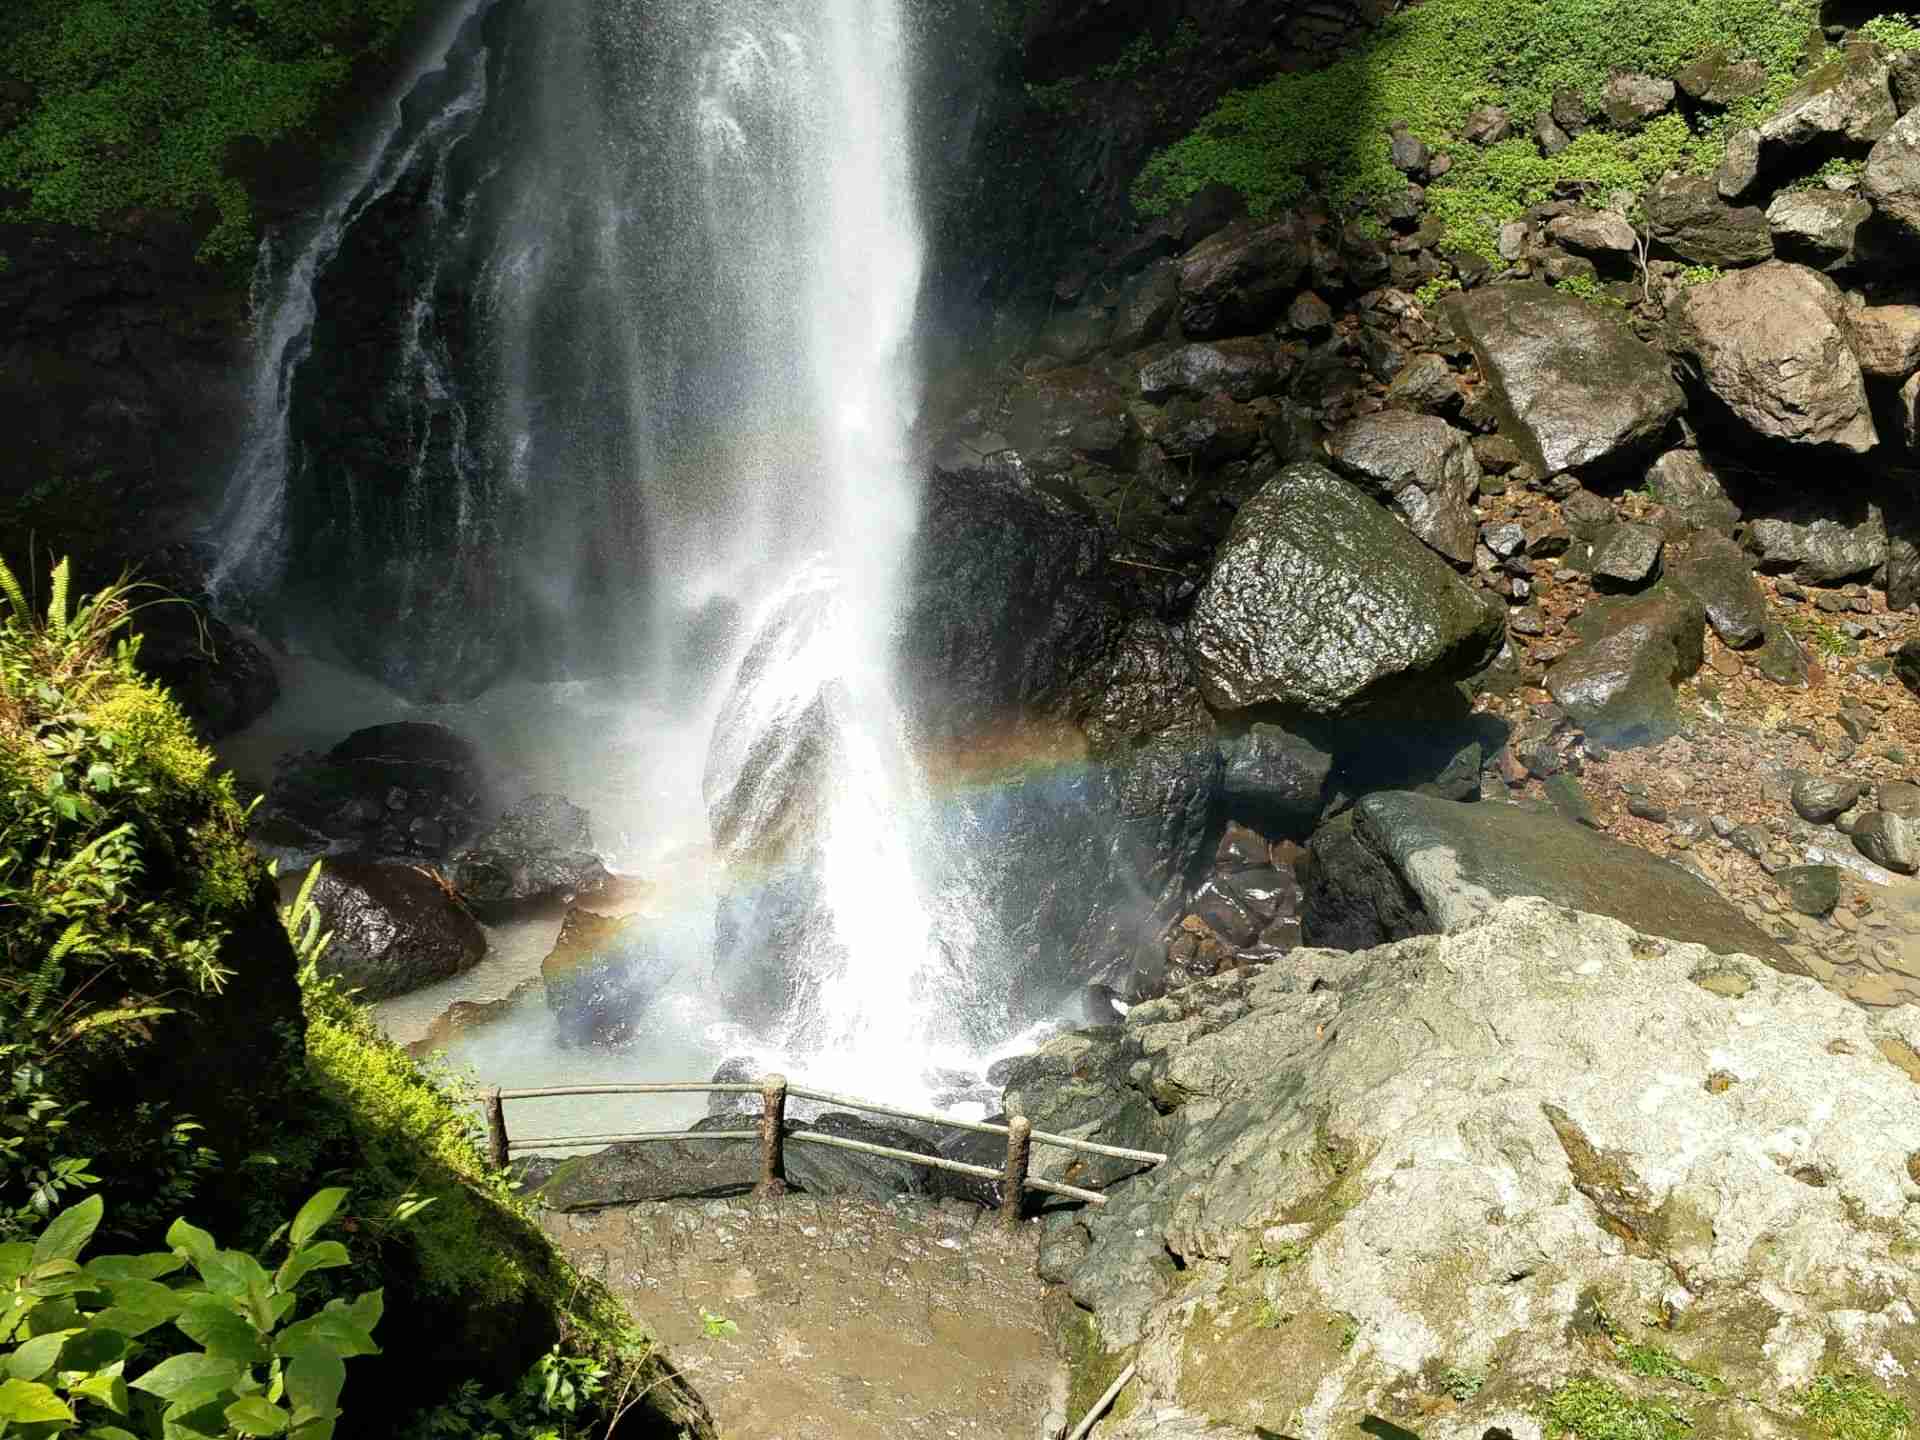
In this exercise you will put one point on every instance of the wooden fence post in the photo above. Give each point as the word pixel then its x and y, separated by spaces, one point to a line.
pixel 496 1130
pixel 1013 1183
pixel 773 1119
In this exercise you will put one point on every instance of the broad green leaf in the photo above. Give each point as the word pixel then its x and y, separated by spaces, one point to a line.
pixel 366 1311
pixel 314 1214
pixel 212 1325
pixel 56 1315
pixel 107 1390
pixel 132 1267
pixel 327 1255
pixel 138 1306
pixel 331 1330
pixel 283 1306
pixel 94 1348
pixel 15 1260
pixel 254 1416
pixel 189 1380
pixel 199 1421
pixel 314 1429
pixel 22 1402
pixel 110 1432
pixel 67 1233
pixel 36 1357
pixel 314 1381
pixel 191 1241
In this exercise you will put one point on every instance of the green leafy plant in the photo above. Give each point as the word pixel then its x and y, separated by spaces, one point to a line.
pixel 1431 292
pixel 1281 1255
pixel 1461 1385
pixel 1653 1363
pixel 717 1327
pixel 1847 1407
pixel 1594 1410
pixel 1894 30
pixel 224 1354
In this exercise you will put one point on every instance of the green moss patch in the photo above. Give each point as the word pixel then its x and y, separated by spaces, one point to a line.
pixel 1846 1407
pixel 136 103
pixel 1594 1410
pixel 1431 64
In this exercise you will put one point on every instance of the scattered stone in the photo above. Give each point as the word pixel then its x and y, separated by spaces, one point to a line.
pixel 1847 98
pixel 1319 596
pixel 1780 658
pixel 1624 556
pixel 1715 80
pixel 1408 154
pixel 1573 387
pixel 1886 338
pixel 1548 135
pixel 1906 665
pixel 1690 822
pixel 1619 685
pixel 1145 307
pixel 1597 234
pixel 1309 314
pixel 1816 547
pixel 1740 168
pixel 1420 465
pixel 1821 802
pixel 1717 573
pixel 1242 370
pixel 1811 889
pixel 1276 779
pixel 1237 281
pixel 1570 110
pixel 1487 125
pixel 1687 216
pixel 1888 840
pixel 1771 345
pixel 1641 808
pixel 1631 100
pixel 1426 383
pixel 1690 492
pixel 1892 176
pixel 1900 797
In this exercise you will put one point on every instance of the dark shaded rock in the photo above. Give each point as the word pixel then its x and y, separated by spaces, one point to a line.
pixel 1426 383
pixel 222 679
pixel 1006 609
pixel 1886 339
pixel 1625 556
pixel 1276 780
pixel 1715 80
pixel 1817 547
pixel 409 789
pixel 1309 314
pixel 1780 658
pixel 602 974
pixel 1771 344
pixel 1718 574
pixel 1570 110
pixel 1059 415
pixel 1238 280
pixel 1240 369
pixel 1077 334
pixel 1821 802
pixel 1889 841
pixel 541 848
pixel 1408 154
pixel 1320 599
pixel 1548 135
pixel 1421 466
pixel 1225 915
pixel 1811 889
pixel 1816 227
pixel 1687 217
pixel 1145 688
pixel 1207 433
pixel 1573 386
pixel 1618 684
pixel 1407 864
pixel 395 929
pixel 1906 665
pixel 1686 486
pixel 1631 100
pixel 1145 307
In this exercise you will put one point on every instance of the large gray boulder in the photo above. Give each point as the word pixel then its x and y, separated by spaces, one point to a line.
pixel 1771 343
pixel 1892 178
pixel 1422 467
pixel 1718 573
pixel 1240 369
pixel 1548 1166
pixel 1848 98
pixel 1574 389
pixel 1691 493
pixel 539 850
pixel 1816 227
pixel 1618 683
pixel 1886 340
pixel 1401 864
pixel 1320 599
pixel 1818 546
pixel 1241 278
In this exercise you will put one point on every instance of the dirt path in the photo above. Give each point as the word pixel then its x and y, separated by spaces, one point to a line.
pixel 856 1321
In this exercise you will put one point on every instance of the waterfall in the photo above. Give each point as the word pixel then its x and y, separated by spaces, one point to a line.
pixel 602 363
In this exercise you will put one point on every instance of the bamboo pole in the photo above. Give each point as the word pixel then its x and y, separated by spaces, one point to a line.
pixel 1101 1405
pixel 773 1124
pixel 497 1145
pixel 1013 1184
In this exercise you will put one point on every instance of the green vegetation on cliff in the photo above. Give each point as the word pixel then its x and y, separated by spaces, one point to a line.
pixel 165 1056
pixel 1431 64
pixel 108 106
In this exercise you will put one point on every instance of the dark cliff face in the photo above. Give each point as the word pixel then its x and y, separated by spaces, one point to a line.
pixel 1040 114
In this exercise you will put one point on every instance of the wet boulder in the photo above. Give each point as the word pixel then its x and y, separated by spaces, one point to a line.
pixel 1242 370
pixel 1072 336
pixel 222 679
pixel 408 790
pixel 1688 218
pixel 1206 433
pixel 1573 387
pixel 602 974
pixel 1320 599
pixel 1718 573
pixel 1691 493
pixel 1771 344
pixel 395 928
pixel 1145 688
pixel 1422 467
pixel 1401 864
pixel 1618 683
pixel 1276 779
pixel 1059 415
pixel 1240 279
pixel 1625 556
pixel 540 849
pixel 1145 307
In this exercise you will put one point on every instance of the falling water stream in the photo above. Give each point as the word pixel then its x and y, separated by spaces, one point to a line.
pixel 630 424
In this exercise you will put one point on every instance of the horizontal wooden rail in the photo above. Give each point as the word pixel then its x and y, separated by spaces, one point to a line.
pixel 774 1132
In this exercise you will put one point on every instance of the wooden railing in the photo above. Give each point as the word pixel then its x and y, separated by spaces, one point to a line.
pixel 774 1133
